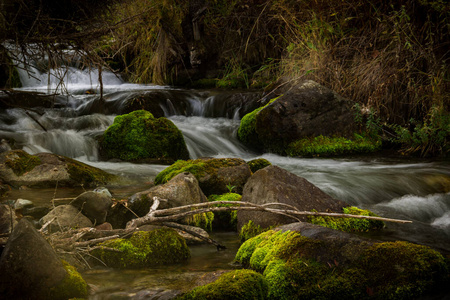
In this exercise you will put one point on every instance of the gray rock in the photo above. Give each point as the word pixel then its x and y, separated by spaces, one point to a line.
pixel 23 203
pixel 181 190
pixel 29 265
pixel 19 168
pixel 7 219
pixel 276 185
pixel 94 205
pixel 66 216
pixel 307 109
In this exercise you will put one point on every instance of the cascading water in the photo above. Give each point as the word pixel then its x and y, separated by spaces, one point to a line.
pixel 418 191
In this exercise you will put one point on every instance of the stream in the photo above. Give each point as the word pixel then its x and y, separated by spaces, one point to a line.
pixel 404 188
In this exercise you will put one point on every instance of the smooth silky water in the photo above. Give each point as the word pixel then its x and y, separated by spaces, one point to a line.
pixel 404 188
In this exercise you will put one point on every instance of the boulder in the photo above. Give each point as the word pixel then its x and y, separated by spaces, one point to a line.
pixel 306 261
pixel 66 217
pixel 18 168
pixel 94 205
pixel 138 136
pixel 32 270
pixel 7 219
pixel 181 190
pixel 144 249
pixel 276 185
pixel 215 175
pixel 304 110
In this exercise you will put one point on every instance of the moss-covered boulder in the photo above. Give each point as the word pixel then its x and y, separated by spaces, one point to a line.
pixel 138 136
pixel 32 270
pixel 144 249
pixel 215 175
pixel 18 168
pixel 305 261
pixel 258 163
pixel 234 285
pixel 306 119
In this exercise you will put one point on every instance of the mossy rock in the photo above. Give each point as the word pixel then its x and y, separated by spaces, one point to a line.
pixel 234 285
pixel 215 175
pixel 138 136
pixel 21 162
pixel 251 230
pixel 296 267
pixel 257 164
pixel 226 220
pixel 144 249
pixel 349 224
pixel 87 175
pixel 203 220
pixel 72 286
pixel 325 146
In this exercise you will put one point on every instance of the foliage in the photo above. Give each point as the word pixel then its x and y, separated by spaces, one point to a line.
pixel 428 138
pixel 143 249
pixel 331 146
pixel 233 285
pixel 138 135
pixel 349 224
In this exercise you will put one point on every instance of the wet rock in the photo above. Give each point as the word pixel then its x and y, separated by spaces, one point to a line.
pixel 104 226
pixel 19 168
pixel 275 185
pixel 65 217
pixel 36 212
pixel 23 203
pixel 7 218
pixel 181 190
pixel 302 110
pixel 94 205
pixel 32 270
pixel 215 175
pixel 139 136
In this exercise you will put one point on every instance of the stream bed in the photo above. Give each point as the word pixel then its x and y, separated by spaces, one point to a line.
pixel 397 187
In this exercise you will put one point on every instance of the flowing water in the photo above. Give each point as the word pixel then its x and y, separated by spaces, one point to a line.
pixel 417 190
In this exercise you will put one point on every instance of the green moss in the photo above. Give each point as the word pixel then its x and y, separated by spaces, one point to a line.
pixel 139 136
pixel 247 128
pixel 349 224
pixel 402 270
pixel 21 162
pixel 298 267
pixel 72 286
pixel 144 249
pixel 226 219
pixel 203 220
pixel 257 164
pixel 251 230
pixel 234 285
pixel 332 146
pixel 197 167
pixel 87 175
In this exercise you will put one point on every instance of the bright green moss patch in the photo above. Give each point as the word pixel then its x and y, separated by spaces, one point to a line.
pixel 250 230
pixel 234 285
pixel 72 286
pixel 226 219
pixel 139 136
pixel 257 164
pixel 21 162
pixel 144 249
pixel 247 128
pixel 298 267
pixel 349 224
pixel 330 146
pixel 197 167
pixel 203 220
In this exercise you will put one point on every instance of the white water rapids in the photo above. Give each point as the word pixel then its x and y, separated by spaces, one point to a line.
pixel 400 188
